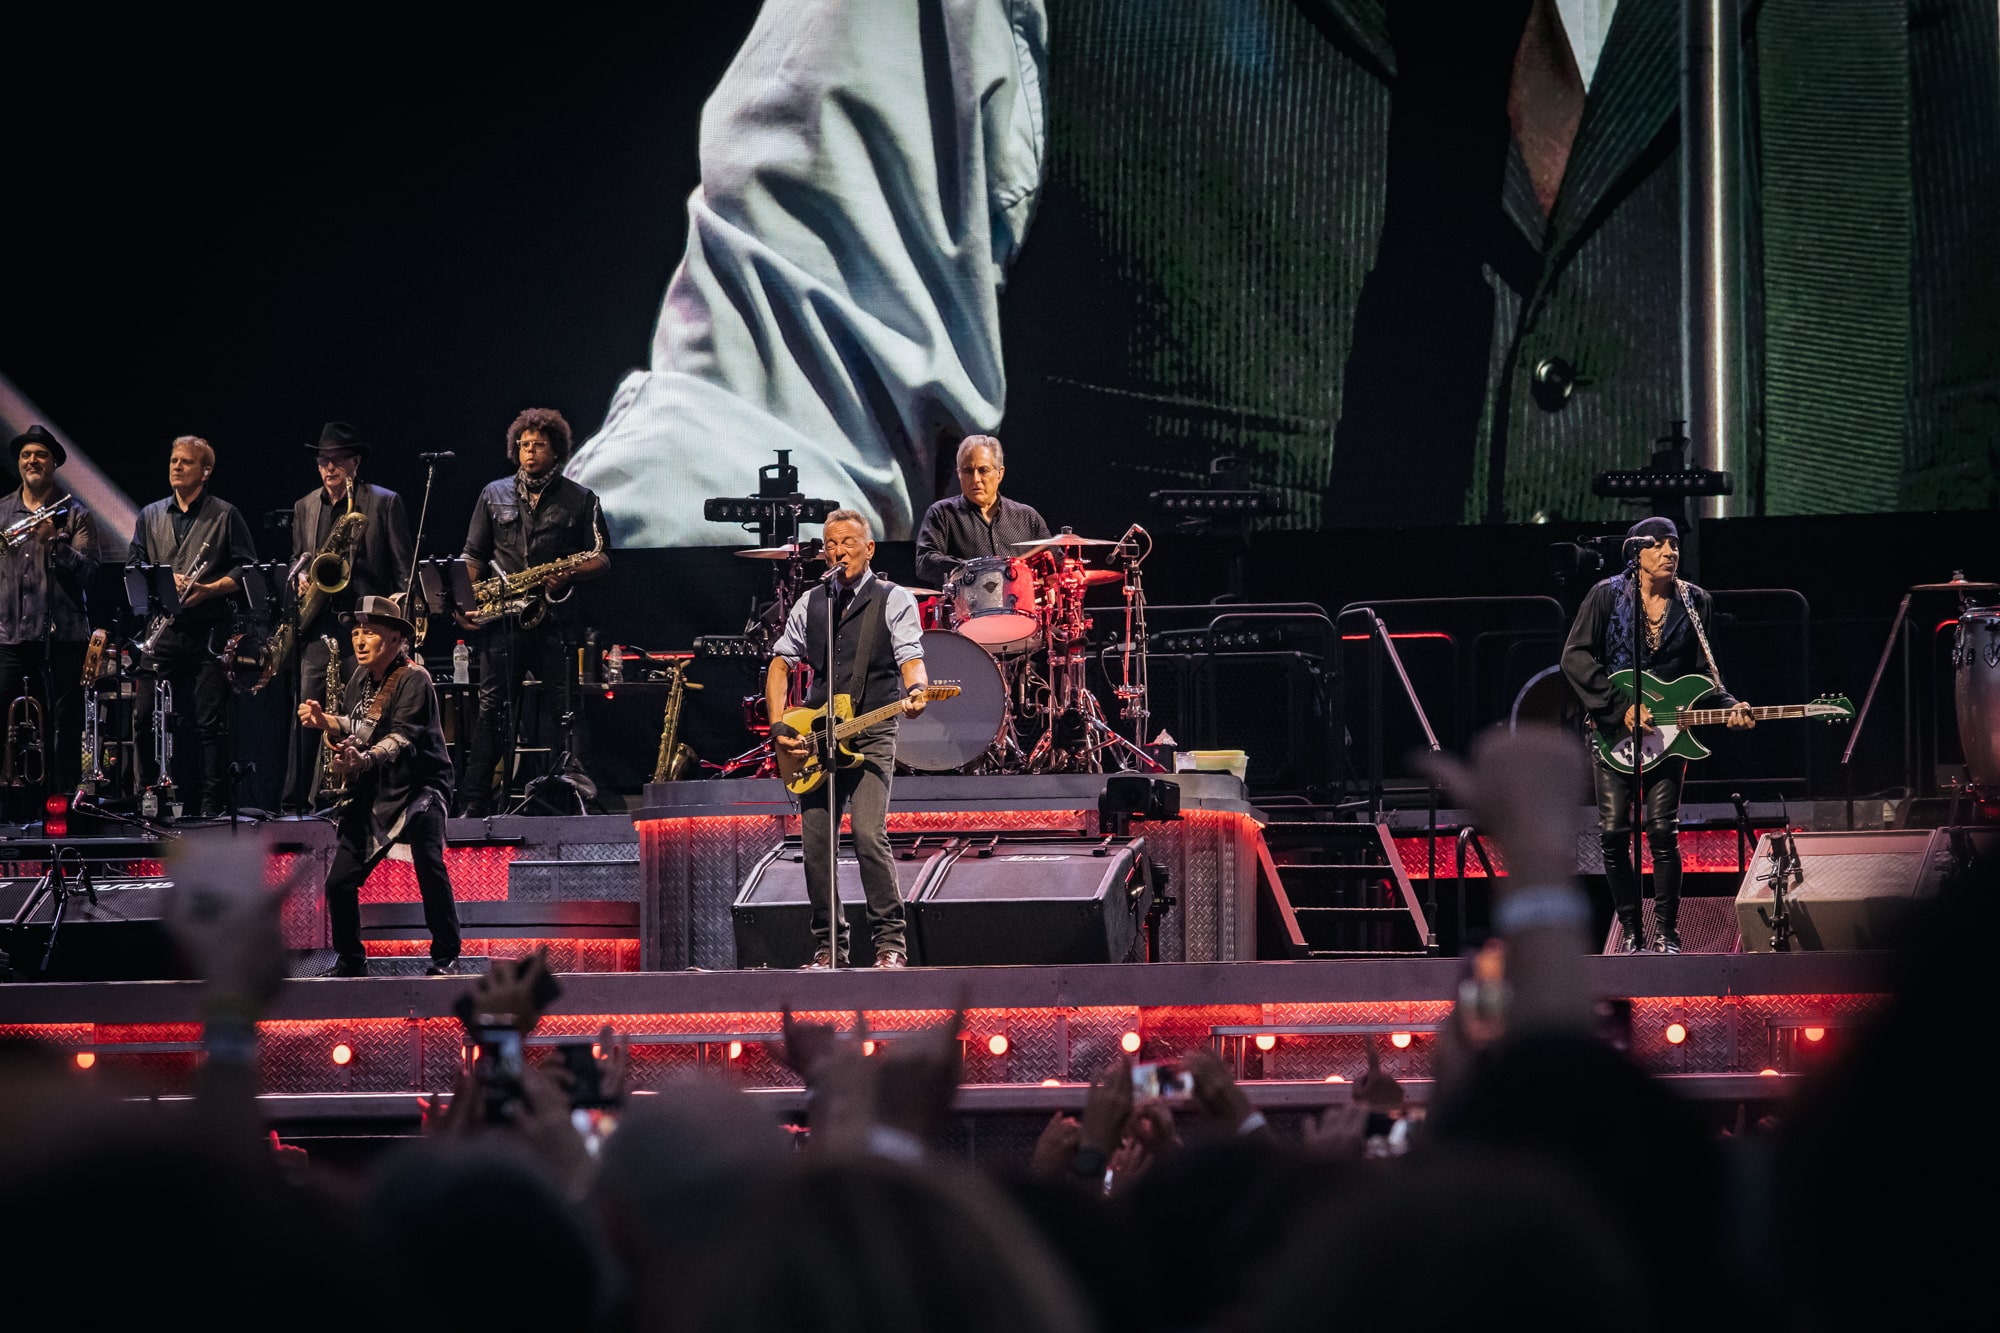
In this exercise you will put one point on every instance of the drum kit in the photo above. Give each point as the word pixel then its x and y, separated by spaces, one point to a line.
pixel 1011 632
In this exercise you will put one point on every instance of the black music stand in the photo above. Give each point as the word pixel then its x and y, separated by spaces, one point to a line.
pixel 442 585
pixel 150 590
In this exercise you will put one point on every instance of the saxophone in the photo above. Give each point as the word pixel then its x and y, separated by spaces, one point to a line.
pixel 676 756
pixel 331 568
pixel 507 594
pixel 333 788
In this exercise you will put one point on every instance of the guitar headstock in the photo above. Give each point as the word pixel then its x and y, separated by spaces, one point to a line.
pixel 933 693
pixel 1831 708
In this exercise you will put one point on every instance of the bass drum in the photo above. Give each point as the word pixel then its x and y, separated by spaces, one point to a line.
pixel 952 733
pixel 1975 669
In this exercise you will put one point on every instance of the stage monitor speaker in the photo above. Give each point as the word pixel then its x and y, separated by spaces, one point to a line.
pixel 1037 900
pixel 773 917
pixel 120 938
pixel 1854 890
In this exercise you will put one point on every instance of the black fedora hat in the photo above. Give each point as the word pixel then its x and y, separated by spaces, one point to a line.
pixel 337 437
pixel 38 434
pixel 379 611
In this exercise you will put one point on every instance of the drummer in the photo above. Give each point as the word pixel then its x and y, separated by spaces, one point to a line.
pixel 976 522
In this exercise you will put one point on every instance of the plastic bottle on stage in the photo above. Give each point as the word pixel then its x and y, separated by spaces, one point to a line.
pixel 614 665
pixel 461 664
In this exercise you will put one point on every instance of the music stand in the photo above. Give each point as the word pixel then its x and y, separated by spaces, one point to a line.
pixel 150 590
pixel 445 585
pixel 259 582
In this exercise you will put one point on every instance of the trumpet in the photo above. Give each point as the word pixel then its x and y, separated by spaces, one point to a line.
pixel 159 623
pixel 24 763
pixel 16 534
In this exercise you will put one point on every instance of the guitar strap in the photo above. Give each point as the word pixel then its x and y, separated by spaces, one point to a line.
pixel 1701 635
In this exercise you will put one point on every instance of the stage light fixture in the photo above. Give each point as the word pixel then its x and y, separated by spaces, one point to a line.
pixel 1129 1043
pixel 868 1048
pixel 343 1054
pixel 85 1059
pixel 1767 1073
pixel 736 1050
pixel 1267 1041
pixel 55 817
pixel 1336 1078
pixel 997 1043
pixel 1400 1040
pixel 1676 1033
pixel 1052 1083
pixel 1813 1034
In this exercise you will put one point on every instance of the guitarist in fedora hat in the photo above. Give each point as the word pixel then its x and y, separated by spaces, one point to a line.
pixel 388 748
pixel 1673 628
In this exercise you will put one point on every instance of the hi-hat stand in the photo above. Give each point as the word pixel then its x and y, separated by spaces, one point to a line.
pixel 54 884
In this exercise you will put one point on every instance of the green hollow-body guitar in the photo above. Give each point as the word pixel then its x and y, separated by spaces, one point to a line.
pixel 1672 704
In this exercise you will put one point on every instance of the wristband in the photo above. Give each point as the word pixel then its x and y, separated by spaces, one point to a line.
pixel 1089 1163
pixel 1541 906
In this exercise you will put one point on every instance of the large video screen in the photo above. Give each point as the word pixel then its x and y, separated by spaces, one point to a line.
pixel 1402 263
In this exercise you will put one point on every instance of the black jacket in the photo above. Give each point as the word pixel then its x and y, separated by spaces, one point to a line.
pixel 381 559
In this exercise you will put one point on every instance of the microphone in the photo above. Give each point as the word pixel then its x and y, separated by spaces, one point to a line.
pixel 441 456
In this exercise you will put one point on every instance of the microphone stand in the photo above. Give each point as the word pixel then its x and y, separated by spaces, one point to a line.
pixel 1638 743
pixel 831 748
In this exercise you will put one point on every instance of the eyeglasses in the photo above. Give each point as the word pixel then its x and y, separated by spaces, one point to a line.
pixel 979 472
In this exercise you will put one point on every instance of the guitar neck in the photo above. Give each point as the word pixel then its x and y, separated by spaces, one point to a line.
pixel 865 721
pixel 1704 717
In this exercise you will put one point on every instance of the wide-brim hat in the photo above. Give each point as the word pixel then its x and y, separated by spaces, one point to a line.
pixel 337 437
pixel 379 611
pixel 38 435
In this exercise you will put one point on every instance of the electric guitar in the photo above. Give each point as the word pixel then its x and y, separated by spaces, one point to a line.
pixel 1671 703
pixel 803 773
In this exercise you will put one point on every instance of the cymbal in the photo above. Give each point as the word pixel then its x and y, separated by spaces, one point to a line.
pixel 1093 577
pixel 920 592
pixel 1958 585
pixel 770 553
pixel 1064 538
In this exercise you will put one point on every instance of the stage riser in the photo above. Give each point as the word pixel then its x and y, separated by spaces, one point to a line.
pixel 1725 1035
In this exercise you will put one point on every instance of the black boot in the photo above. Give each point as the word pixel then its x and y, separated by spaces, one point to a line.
pixel 1666 889
pixel 1624 885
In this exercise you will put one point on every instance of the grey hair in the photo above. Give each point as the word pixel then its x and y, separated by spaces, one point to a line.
pixel 974 442
pixel 851 516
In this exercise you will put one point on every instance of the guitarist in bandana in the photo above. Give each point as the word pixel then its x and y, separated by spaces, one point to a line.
pixel 389 749
pixel 1600 642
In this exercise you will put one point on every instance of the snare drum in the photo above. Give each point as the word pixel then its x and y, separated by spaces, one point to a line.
pixel 993 604
pixel 1975 661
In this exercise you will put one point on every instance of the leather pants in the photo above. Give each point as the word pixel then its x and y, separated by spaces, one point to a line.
pixel 1661 811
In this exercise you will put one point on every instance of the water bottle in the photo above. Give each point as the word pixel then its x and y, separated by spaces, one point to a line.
pixel 461 664
pixel 614 665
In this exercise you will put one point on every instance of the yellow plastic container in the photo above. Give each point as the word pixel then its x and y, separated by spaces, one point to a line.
pixel 1213 761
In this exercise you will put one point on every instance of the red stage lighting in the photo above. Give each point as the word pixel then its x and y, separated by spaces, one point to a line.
pixel 1676 1033
pixel 1767 1073
pixel 997 1043
pixel 55 817
pixel 1814 1034
pixel 1267 1041
pixel 85 1059
pixel 1400 1040
pixel 868 1048
pixel 1129 1043
pixel 343 1054
pixel 736 1050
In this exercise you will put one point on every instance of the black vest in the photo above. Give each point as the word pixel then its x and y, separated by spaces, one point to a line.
pixel 864 656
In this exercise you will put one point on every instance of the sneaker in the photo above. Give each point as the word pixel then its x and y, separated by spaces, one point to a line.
pixel 1669 942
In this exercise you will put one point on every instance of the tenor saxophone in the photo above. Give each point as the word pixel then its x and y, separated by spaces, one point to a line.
pixel 333 788
pixel 506 594
pixel 676 756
